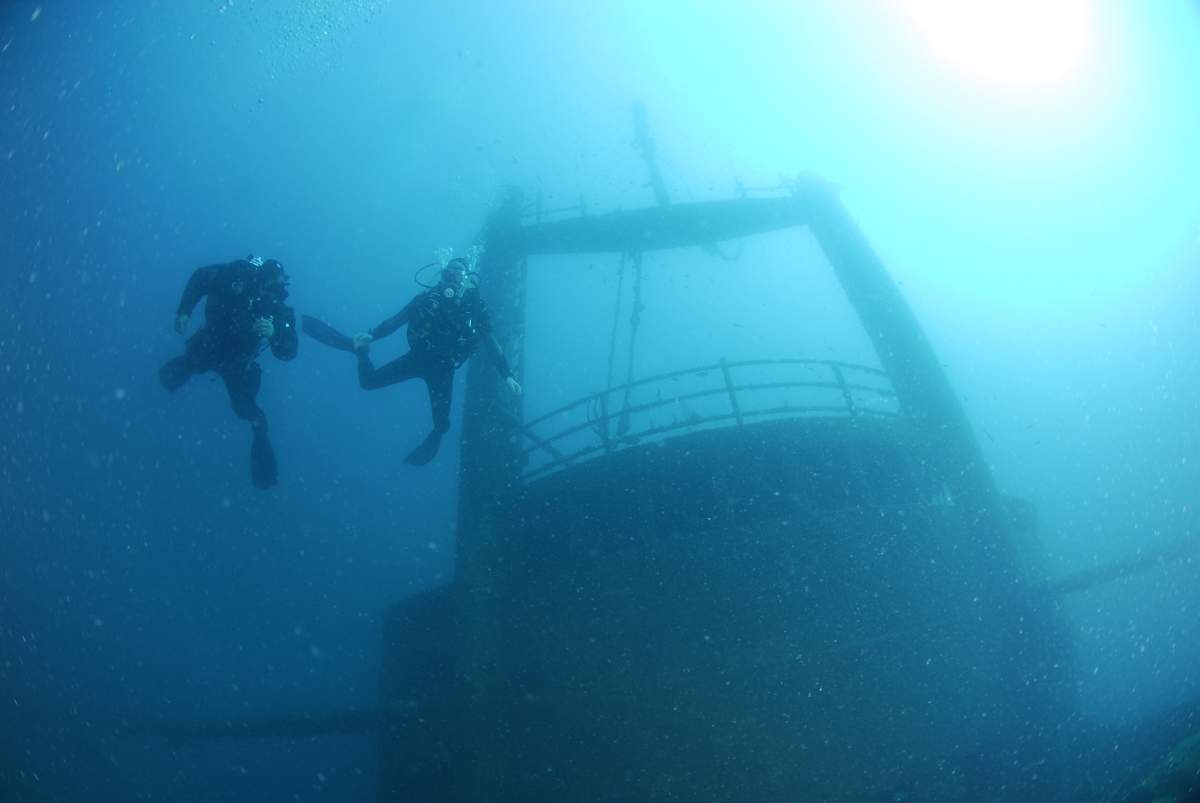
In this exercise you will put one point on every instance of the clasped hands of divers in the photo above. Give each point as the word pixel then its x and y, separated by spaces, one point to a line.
pixel 265 327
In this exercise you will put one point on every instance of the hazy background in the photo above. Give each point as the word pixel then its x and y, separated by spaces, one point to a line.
pixel 1028 178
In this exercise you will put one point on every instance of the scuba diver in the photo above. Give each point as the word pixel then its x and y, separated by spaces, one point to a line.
pixel 446 324
pixel 245 313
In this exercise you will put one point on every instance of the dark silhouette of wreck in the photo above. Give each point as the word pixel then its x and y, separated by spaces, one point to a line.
pixel 814 602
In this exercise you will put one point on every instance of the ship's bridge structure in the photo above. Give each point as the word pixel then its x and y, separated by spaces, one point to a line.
pixel 717 552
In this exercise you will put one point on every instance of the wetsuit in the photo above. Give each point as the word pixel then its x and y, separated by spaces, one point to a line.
pixel 228 345
pixel 442 333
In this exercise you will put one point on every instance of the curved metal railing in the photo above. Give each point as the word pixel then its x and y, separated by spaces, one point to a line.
pixel 599 413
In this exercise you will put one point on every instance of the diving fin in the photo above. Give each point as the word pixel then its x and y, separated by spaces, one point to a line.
pixel 426 451
pixel 264 472
pixel 322 332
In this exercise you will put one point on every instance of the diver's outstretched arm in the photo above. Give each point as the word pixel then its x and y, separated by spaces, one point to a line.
pixel 496 355
pixel 395 322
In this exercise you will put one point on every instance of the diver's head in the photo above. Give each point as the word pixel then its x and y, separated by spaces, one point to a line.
pixel 273 279
pixel 455 271
pixel 454 278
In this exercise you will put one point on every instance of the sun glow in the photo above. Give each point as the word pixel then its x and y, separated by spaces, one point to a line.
pixel 1025 45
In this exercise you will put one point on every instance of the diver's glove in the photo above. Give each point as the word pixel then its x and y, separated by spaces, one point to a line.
pixel 513 385
pixel 264 327
pixel 181 322
pixel 362 341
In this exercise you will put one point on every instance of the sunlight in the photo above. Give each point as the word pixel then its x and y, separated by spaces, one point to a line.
pixel 1027 45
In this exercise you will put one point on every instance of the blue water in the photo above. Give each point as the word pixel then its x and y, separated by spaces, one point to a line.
pixel 1046 234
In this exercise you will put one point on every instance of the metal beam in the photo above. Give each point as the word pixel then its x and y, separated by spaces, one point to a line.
pixel 488 471
pixel 645 143
pixel 675 226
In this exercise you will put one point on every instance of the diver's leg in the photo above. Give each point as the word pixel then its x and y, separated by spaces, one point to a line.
pixel 440 380
pixel 194 360
pixel 441 387
pixel 243 386
pixel 400 369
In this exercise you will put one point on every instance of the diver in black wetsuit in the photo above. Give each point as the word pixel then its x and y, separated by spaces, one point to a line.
pixel 446 325
pixel 244 313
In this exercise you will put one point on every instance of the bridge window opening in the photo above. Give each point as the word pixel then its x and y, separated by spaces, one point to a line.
pixel 628 349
